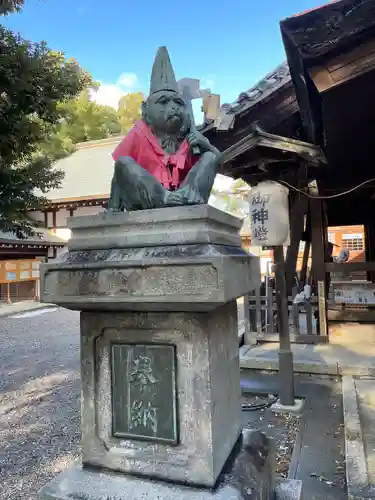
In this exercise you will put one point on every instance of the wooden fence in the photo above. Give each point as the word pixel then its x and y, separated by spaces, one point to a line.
pixel 264 320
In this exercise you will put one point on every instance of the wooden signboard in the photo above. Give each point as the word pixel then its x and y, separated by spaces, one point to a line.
pixel 354 293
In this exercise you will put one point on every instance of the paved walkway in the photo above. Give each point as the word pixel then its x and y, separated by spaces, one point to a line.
pixel 351 351
pixel 20 307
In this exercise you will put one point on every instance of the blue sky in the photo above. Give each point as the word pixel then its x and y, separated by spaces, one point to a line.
pixel 229 45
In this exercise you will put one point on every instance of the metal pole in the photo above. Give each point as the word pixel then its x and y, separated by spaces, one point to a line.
pixel 286 374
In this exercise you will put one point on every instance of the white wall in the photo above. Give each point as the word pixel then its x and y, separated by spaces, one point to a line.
pixel 62 216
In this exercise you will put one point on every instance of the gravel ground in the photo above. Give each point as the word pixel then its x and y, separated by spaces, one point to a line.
pixel 39 400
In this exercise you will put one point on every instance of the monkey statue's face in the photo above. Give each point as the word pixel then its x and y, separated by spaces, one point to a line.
pixel 166 113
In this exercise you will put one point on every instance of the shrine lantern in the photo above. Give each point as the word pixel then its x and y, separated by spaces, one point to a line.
pixel 269 212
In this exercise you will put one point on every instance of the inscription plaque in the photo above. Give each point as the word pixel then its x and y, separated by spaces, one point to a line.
pixel 144 392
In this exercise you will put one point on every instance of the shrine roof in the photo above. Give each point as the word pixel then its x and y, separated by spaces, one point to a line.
pixel 259 92
pixel 330 28
pixel 88 172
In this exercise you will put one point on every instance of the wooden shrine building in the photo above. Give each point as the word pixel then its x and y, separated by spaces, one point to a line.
pixel 311 124
pixel 20 260
pixel 84 189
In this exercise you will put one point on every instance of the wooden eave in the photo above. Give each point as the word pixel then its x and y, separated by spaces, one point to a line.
pixel 259 139
pixel 74 202
pixel 9 244
pixel 313 40
pixel 330 29
pixel 260 152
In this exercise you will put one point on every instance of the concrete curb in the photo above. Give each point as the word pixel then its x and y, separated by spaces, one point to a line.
pixel 272 364
pixel 302 366
pixel 356 466
pixel 29 307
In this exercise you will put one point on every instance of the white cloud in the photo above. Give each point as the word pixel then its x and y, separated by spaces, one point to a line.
pixel 109 94
pixel 128 80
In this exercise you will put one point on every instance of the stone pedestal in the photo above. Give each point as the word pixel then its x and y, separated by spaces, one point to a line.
pixel 158 391
pixel 159 350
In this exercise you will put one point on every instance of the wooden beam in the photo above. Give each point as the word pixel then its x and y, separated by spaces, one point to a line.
pixel 318 247
pixel 332 267
pixel 344 67
pixel 298 211
pixel 305 263
pixel 370 247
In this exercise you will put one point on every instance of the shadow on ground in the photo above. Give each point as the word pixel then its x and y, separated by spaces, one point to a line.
pixel 39 401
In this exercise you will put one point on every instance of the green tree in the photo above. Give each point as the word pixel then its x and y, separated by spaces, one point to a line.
pixel 84 120
pixel 10 6
pixel 81 120
pixel 129 110
pixel 34 81
pixel 57 144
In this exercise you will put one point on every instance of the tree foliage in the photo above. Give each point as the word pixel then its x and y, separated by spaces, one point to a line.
pixel 129 110
pixel 35 82
pixel 10 6
pixel 85 120
pixel 82 119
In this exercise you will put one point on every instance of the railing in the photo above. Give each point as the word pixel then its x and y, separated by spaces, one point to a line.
pixel 264 321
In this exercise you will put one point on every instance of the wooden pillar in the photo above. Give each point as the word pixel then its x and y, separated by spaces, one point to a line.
pixel 370 246
pixel 318 258
pixel 54 223
pixel 297 223
pixel 305 263
pixel 46 219
pixel 286 373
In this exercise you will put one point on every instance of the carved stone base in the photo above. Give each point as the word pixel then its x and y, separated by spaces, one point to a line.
pixel 161 392
pixel 246 476
pixel 185 259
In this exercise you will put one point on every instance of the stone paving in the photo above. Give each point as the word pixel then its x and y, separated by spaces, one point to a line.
pixel 39 399
pixel 351 351
pixel 20 307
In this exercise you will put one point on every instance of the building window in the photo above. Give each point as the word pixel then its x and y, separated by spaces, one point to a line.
pixel 353 241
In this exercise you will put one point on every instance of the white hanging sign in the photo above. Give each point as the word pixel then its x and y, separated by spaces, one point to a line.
pixel 269 212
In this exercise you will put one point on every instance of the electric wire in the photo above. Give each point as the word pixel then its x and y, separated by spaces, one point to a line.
pixel 330 196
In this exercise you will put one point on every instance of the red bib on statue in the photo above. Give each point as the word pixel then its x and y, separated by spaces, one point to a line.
pixel 141 145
